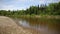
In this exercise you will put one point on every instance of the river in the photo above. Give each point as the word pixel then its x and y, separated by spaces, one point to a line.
pixel 46 26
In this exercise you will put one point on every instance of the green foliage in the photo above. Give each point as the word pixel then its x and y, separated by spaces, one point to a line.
pixel 51 9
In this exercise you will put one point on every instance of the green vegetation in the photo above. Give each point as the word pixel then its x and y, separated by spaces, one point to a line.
pixel 51 9
pixel 50 15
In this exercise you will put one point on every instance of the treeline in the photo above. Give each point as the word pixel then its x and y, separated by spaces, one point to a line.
pixel 51 9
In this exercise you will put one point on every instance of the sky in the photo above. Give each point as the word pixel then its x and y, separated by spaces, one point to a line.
pixel 22 4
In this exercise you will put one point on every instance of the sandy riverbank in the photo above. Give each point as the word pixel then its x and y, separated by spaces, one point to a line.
pixel 8 26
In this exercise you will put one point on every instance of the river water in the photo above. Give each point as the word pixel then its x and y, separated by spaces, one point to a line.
pixel 46 26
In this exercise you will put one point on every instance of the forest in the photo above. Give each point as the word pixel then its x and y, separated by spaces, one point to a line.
pixel 51 9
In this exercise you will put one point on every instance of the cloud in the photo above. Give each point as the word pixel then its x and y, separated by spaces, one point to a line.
pixel 22 4
pixel 48 1
pixel 11 7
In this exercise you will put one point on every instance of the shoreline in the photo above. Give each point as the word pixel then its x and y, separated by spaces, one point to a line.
pixel 34 31
pixel 37 16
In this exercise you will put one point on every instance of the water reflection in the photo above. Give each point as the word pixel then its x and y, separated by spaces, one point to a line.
pixel 48 26
pixel 24 23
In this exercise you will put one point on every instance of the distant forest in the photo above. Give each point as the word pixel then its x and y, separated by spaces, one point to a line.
pixel 51 9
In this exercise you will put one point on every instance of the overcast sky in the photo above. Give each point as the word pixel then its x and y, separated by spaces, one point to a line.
pixel 22 4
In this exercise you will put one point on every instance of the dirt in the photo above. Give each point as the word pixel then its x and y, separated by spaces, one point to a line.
pixel 8 26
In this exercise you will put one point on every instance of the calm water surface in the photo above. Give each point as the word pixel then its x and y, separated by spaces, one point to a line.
pixel 48 26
